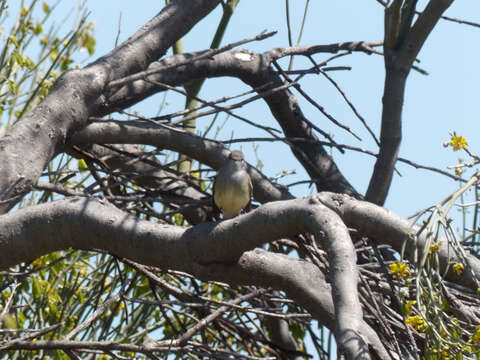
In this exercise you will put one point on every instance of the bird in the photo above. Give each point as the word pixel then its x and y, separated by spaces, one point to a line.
pixel 232 188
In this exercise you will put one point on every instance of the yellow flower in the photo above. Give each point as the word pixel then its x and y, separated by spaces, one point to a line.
pixel 435 248
pixel 399 269
pixel 476 336
pixel 417 322
pixel 458 142
pixel 38 262
pixel 458 268
pixel 408 307
pixel 458 171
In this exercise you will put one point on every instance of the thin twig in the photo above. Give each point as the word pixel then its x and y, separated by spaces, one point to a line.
pixel 204 55
pixel 314 103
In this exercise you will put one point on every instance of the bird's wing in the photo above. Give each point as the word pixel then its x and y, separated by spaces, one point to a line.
pixel 250 191
pixel 250 187
pixel 216 210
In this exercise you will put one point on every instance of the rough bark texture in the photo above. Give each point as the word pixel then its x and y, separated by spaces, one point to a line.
pixel 72 99
pixel 229 250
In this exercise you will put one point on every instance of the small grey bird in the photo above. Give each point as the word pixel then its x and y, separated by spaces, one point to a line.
pixel 232 189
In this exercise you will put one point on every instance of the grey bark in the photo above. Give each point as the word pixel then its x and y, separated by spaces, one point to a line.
pixel 400 53
pixel 73 98
pixel 87 224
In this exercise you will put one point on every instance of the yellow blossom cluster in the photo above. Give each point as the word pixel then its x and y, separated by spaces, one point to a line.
pixel 417 322
pixel 458 268
pixel 435 248
pixel 458 142
pixel 476 336
pixel 399 270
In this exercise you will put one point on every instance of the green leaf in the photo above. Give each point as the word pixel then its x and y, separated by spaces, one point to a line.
pixel 36 287
pixel 297 330
pixel 18 58
pixel 38 29
pixel 13 40
pixel 82 165
pixel 80 297
pixel 9 321
pixel 21 318
pixel 12 87
pixel 46 8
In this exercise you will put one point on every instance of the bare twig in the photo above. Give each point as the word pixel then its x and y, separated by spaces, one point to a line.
pixel 205 55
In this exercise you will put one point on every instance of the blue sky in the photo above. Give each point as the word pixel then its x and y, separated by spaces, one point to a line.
pixel 435 105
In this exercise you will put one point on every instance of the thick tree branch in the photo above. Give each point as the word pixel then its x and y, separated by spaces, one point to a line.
pixel 73 98
pixel 89 224
pixel 302 281
pixel 140 89
pixel 151 174
pixel 211 250
pixel 254 70
pixel 401 47
pixel 206 151
pixel 386 227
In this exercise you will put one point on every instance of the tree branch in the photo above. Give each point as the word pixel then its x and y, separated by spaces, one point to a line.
pixel 88 224
pixel 206 151
pixel 385 227
pixel 253 69
pixel 401 47
pixel 151 174
pixel 72 99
